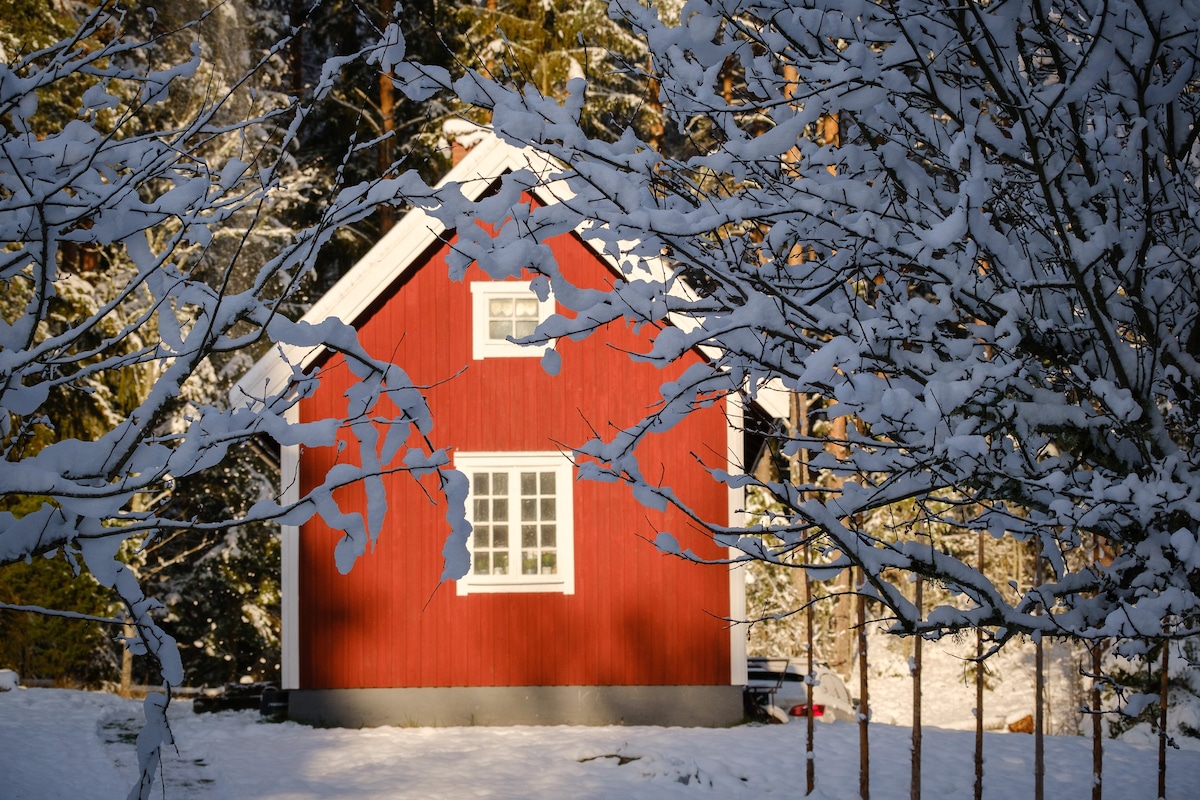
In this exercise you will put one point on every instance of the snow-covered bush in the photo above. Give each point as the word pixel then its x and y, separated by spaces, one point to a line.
pixel 1132 690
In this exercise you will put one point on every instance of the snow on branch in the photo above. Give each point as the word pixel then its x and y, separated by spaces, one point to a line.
pixel 965 233
pixel 143 256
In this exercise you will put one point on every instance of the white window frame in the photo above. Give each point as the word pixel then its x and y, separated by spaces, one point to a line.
pixel 482 345
pixel 563 581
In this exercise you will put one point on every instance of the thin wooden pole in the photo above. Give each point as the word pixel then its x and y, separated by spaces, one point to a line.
pixel 1163 688
pixel 810 763
pixel 1097 725
pixel 864 705
pixel 1097 717
pixel 978 755
pixel 798 413
pixel 915 789
pixel 1039 722
pixel 979 695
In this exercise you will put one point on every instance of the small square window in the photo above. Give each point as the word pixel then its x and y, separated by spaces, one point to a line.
pixel 533 550
pixel 503 310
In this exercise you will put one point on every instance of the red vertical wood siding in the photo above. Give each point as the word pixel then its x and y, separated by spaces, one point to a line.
pixel 637 617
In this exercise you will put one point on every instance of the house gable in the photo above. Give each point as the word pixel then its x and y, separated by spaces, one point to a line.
pixel 624 622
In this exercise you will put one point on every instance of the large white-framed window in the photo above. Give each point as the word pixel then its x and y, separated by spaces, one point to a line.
pixel 522 514
pixel 503 309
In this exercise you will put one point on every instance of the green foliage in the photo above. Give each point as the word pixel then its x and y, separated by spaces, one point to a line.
pixel 92 392
pixel 89 400
pixel 104 371
pixel 221 588
pixel 540 46
pixel 28 25
pixel 226 615
pixel 62 649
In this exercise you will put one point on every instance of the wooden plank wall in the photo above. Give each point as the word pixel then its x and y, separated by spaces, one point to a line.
pixel 637 617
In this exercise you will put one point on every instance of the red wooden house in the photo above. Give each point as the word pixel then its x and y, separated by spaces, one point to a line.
pixel 569 614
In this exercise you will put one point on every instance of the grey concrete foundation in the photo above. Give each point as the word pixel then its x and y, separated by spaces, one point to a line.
pixel 707 706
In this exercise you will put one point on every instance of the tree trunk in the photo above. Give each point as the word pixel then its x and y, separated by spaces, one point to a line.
pixel 798 412
pixel 126 687
pixel 655 128
pixel 387 104
pixel 296 48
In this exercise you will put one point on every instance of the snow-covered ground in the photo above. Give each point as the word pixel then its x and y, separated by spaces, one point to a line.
pixel 57 743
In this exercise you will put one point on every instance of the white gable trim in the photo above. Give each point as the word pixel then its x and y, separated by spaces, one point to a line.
pixel 289 567
pixel 735 516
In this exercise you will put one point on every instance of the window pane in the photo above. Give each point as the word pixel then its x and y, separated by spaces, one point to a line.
pixel 500 328
pixel 525 327
pixel 526 307
pixel 501 550
pixel 501 307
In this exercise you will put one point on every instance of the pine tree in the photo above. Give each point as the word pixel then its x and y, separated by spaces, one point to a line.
pixel 540 47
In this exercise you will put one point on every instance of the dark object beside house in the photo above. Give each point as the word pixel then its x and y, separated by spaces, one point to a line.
pixel 266 696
